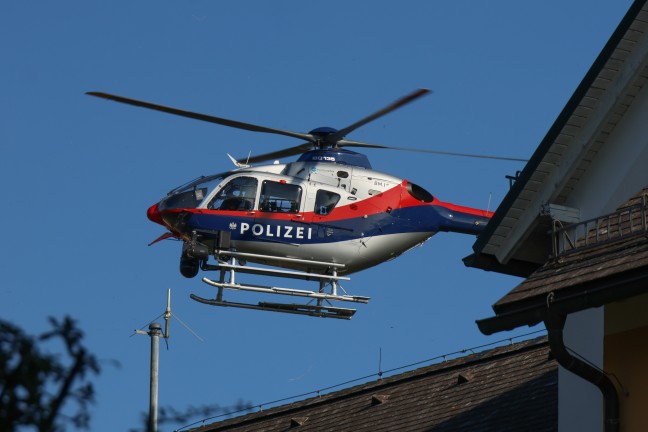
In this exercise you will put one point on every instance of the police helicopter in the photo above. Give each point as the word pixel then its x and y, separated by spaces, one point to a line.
pixel 320 218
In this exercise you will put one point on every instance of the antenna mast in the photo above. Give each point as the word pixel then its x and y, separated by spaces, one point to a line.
pixel 155 332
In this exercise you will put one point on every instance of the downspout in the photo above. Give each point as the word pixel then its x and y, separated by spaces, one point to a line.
pixel 555 323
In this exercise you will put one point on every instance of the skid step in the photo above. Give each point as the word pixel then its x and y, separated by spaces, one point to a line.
pixel 293 274
pixel 273 258
pixel 287 291
pixel 299 309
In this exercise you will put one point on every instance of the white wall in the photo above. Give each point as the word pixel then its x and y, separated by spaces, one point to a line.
pixel 620 170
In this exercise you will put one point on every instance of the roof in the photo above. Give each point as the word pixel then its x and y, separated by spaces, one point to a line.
pixel 559 172
pixel 607 262
pixel 511 388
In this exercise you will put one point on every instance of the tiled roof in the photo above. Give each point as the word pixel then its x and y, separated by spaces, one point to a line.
pixel 512 388
pixel 589 275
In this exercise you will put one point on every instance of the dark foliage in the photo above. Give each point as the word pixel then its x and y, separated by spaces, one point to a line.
pixel 45 391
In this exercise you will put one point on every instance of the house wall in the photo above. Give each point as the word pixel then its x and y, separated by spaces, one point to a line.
pixel 617 173
pixel 601 191
pixel 626 356
pixel 580 403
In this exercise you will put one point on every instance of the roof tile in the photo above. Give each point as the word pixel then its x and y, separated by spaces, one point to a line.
pixel 511 388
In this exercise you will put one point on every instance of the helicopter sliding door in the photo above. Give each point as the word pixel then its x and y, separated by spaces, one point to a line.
pixel 280 197
pixel 322 202
pixel 280 219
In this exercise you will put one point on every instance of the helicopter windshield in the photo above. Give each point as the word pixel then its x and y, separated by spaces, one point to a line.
pixel 191 194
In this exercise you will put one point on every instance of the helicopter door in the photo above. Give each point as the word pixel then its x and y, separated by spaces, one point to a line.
pixel 280 217
pixel 322 203
pixel 238 194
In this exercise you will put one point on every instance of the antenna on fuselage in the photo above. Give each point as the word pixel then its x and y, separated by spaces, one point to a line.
pixel 237 163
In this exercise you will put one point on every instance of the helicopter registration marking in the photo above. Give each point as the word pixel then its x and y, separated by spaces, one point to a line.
pixel 282 231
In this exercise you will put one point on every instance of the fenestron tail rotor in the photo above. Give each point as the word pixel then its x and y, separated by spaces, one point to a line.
pixel 322 138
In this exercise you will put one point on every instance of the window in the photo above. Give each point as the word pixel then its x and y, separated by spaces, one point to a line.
pixel 238 194
pixel 325 202
pixel 280 197
pixel 191 194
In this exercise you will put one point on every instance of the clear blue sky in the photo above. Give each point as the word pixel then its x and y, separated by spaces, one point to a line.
pixel 79 172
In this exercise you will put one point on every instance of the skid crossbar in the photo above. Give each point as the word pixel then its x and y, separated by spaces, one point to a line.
pixel 326 276
pixel 277 272
pixel 287 291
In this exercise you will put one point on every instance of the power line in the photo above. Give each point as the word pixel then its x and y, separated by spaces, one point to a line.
pixel 378 374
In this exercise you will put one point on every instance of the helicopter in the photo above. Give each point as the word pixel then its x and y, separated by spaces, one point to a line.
pixel 320 218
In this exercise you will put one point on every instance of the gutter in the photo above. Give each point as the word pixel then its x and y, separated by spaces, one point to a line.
pixel 584 296
pixel 553 310
pixel 555 323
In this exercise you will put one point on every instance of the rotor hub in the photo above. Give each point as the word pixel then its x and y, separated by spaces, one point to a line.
pixel 323 136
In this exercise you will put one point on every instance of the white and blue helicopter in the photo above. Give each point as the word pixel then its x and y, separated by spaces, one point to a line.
pixel 320 218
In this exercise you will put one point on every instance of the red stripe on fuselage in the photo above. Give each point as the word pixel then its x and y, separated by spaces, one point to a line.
pixel 391 199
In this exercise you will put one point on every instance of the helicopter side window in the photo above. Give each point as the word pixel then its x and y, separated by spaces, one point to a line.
pixel 238 194
pixel 325 202
pixel 280 197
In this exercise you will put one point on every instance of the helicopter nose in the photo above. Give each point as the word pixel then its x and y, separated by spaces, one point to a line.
pixel 174 220
pixel 154 215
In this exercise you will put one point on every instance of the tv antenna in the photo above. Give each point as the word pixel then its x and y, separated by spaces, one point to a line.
pixel 155 333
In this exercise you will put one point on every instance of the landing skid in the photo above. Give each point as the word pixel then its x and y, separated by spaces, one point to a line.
pixel 299 309
pixel 324 272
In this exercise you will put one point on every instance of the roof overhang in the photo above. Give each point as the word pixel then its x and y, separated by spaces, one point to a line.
pixel 582 146
pixel 576 299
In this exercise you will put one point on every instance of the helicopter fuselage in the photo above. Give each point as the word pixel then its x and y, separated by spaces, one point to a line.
pixel 329 206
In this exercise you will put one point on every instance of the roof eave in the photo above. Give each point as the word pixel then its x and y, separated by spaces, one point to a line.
pixel 536 159
pixel 578 298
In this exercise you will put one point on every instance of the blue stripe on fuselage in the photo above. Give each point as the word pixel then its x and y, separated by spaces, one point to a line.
pixel 423 218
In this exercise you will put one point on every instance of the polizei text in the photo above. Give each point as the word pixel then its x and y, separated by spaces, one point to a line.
pixel 279 231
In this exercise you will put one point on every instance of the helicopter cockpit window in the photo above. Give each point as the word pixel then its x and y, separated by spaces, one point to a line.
pixel 280 197
pixel 191 194
pixel 325 202
pixel 239 195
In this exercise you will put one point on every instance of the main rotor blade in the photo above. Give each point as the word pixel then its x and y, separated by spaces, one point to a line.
pixel 291 151
pixel 399 103
pixel 348 143
pixel 203 117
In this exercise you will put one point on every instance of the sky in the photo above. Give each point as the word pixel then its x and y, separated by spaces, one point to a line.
pixel 80 172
